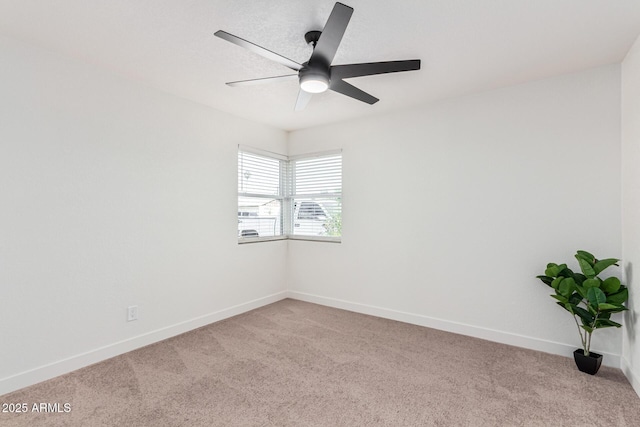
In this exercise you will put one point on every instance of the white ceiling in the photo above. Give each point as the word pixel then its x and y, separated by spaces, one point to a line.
pixel 465 46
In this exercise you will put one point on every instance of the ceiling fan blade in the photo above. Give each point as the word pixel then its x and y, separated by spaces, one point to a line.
pixel 276 79
pixel 345 88
pixel 327 45
pixel 303 100
pixel 371 68
pixel 258 49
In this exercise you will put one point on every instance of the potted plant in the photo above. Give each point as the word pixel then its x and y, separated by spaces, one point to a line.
pixel 590 300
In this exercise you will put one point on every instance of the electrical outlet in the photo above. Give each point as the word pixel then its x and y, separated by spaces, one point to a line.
pixel 132 313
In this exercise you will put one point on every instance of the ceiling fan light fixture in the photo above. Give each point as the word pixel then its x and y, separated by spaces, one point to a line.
pixel 314 83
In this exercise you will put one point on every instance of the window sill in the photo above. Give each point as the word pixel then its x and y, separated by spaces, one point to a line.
pixel 317 238
pixel 260 239
pixel 302 238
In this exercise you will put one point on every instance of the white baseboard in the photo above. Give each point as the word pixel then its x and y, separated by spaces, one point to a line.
pixel 566 350
pixel 43 373
pixel 634 380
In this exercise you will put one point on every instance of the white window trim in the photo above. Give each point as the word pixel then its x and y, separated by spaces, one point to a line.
pixel 262 152
pixel 316 154
pixel 287 197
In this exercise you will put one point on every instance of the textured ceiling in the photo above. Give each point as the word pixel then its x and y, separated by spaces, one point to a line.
pixel 465 46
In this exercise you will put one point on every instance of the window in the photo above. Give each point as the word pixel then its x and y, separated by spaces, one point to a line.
pixel 281 198
pixel 260 195
pixel 316 194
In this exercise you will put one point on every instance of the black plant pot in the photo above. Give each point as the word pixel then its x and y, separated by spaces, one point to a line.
pixel 588 364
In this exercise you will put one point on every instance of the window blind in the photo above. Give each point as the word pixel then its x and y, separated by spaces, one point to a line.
pixel 316 194
pixel 260 197
pixel 258 174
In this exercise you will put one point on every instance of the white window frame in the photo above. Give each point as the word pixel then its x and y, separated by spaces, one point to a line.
pixel 280 196
pixel 292 195
pixel 286 194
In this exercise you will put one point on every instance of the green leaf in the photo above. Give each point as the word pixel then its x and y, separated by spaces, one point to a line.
pixel 619 297
pixel 555 284
pixel 603 264
pixel 575 299
pixel 595 296
pixel 581 291
pixel 566 272
pixel 606 313
pixel 545 279
pixel 586 268
pixel 566 306
pixel 560 298
pixel 610 285
pixel 591 283
pixel 586 256
pixel 554 270
pixel 585 316
pixel 566 287
pixel 611 307
pixel 579 278
pixel 605 323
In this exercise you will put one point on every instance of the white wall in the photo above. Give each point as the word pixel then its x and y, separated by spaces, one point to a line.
pixel 631 209
pixel 114 194
pixel 451 210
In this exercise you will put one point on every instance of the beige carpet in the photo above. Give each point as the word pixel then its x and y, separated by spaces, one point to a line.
pixel 299 364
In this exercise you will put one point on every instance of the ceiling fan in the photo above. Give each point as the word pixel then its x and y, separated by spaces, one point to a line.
pixel 317 75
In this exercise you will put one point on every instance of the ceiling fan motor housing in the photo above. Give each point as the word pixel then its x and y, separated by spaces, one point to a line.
pixel 315 78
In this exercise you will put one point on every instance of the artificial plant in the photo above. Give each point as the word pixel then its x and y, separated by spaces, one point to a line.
pixel 586 296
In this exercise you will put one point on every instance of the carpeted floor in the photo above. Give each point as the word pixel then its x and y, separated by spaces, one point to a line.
pixel 299 364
